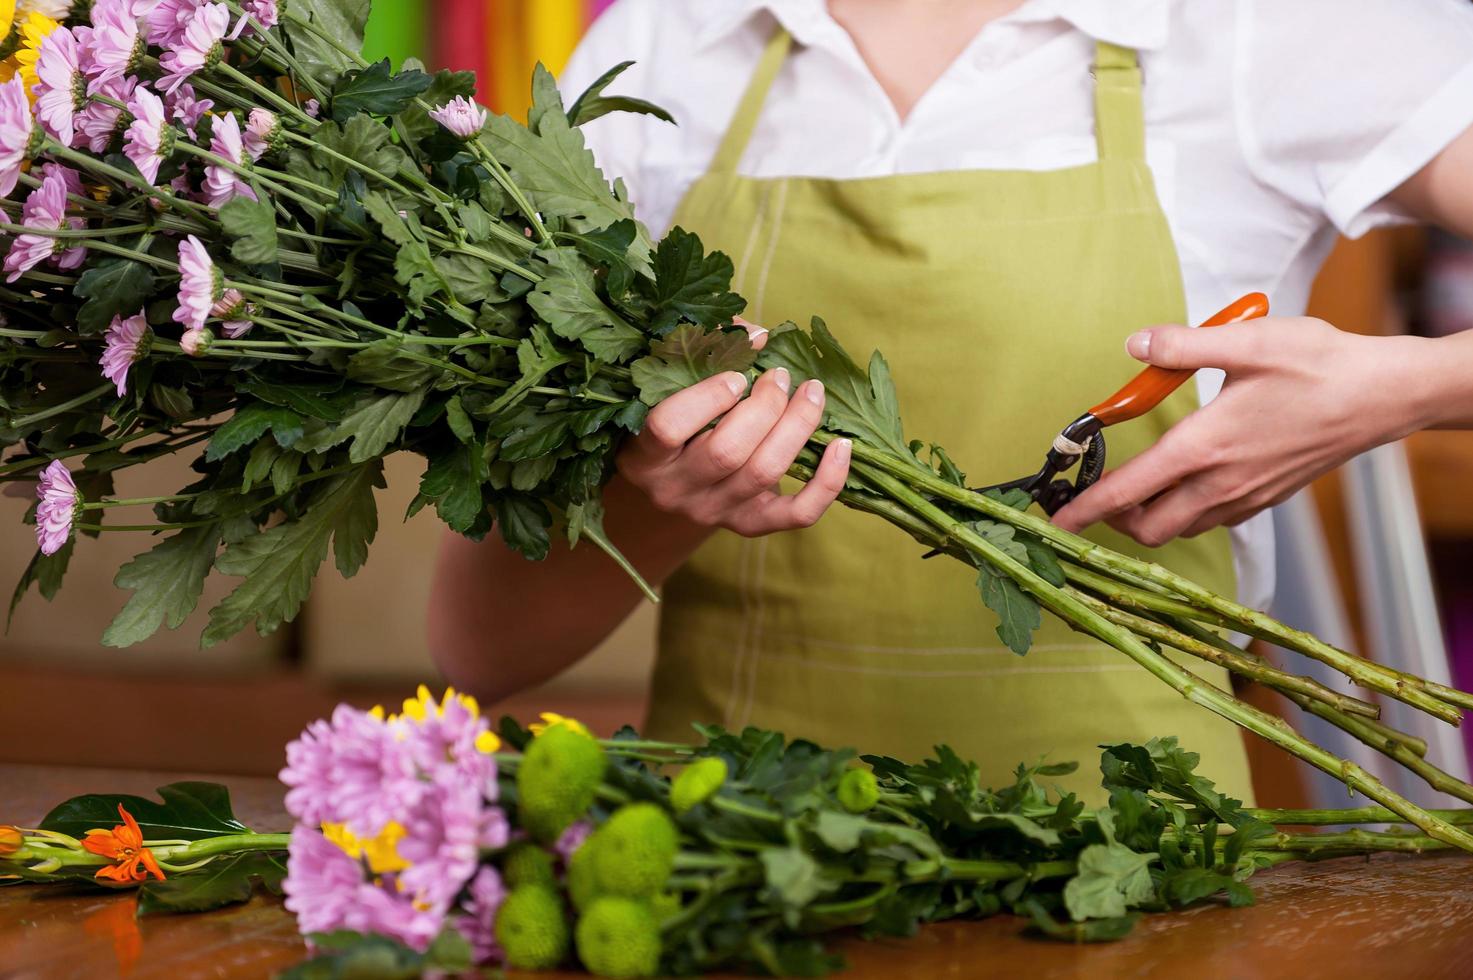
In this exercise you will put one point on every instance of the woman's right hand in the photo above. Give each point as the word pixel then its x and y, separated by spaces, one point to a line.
pixel 727 476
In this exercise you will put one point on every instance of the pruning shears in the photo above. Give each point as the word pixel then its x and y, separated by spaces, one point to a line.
pixel 1084 438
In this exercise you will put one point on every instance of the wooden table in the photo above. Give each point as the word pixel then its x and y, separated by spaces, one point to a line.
pixel 1389 917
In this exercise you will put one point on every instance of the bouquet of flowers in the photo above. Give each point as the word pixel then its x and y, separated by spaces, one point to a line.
pixel 425 841
pixel 230 235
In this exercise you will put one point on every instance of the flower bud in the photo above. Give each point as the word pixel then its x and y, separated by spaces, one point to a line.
pixel 858 790
pixel 196 341
pixel 11 840
pixel 697 783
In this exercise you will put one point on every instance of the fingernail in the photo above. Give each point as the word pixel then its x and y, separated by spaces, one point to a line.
pixel 736 381
pixel 755 334
pixel 814 391
pixel 843 449
pixel 1138 345
pixel 782 380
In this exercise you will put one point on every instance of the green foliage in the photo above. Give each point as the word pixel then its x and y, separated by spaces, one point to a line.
pixel 634 851
pixel 691 285
pixel 376 90
pixel 557 779
pixel 593 103
pixel 619 937
pixel 166 581
pixel 342 20
pixel 224 881
pixel 251 226
pixel 346 955
pixel 113 287
pixel 531 928
pixel 687 356
pixel 185 811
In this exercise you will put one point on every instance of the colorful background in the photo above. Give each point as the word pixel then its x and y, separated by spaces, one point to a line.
pixel 499 40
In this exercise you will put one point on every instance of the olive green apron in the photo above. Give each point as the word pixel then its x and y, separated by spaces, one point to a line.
pixel 1002 300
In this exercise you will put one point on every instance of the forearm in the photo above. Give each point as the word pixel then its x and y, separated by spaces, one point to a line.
pixel 1444 382
pixel 499 624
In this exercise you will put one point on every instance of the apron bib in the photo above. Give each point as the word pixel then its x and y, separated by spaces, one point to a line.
pixel 1001 300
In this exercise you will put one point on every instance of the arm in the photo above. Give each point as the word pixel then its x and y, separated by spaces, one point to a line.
pixel 1300 399
pixel 499 624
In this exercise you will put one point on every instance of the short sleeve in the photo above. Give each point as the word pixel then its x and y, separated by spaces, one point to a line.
pixel 1340 101
pixel 623 32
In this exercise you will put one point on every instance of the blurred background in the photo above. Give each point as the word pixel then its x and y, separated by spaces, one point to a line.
pixel 1375 557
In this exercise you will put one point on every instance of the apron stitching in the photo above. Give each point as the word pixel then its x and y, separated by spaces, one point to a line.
pixel 923 674
pixel 739 642
pixel 759 608
pixel 777 223
pixel 741 275
pixel 802 640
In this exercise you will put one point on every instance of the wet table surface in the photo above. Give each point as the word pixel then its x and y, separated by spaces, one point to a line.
pixel 1392 916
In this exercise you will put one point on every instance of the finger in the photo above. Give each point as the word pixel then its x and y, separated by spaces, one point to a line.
pixel 1236 347
pixel 773 512
pixel 717 454
pixel 770 461
pixel 673 422
pixel 757 335
pixel 1128 486
pixel 1167 518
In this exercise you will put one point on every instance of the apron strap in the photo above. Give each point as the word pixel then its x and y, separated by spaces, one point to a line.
pixel 1120 119
pixel 749 109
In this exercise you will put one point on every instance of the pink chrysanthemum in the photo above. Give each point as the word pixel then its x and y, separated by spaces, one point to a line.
pixel 443 838
pixel 350 770
pixel 61 88
pixel 186 108
pixel 16 126
pixel 149 139
pixel 478 925
pixel 197 48
pixel 571 839
pixel 461 116
pixel 312 108
pixel 221 182
pixel 327 891
pixel 114 45
pixel 235 312
pixel 199 285
pixel 165 21
pixel 261 129
pixel 98 123
pixel 262 12
pixel 127 341
pixel 71 178
pixel 44 210
pixel 57 508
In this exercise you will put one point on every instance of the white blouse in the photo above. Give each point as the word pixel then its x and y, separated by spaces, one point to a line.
pixel 1272 125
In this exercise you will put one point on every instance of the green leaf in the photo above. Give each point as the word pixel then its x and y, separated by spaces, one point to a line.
pixel 1111 878
pixel 225 881
pixel 557 172
pixel 523 522
pixel 250 423
pixel 1043 560
pixel 593 103
pixel 376 90
pixel 279 564
pixel 355 956
pixel 413 266
pixel 547 102
pixel 793 878
pixel 567 300
pixel 112 287
pixel 691 285
pixel 299 396
pixel 689 355
pixel 45 572
pixel 470 279
pixel 1017 612
pixel 188 811
pixel 859 403
pixel 458 421
pixel 166 582
pixel 1091 931
pixel 252 226
pixel 383 365
pixel 342 20
pixel 453 481
pixel 363 139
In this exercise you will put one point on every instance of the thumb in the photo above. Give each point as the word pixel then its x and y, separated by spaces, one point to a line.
pixel 757 335
pixel 1233 347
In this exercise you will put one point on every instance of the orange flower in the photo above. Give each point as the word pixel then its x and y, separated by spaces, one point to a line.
pixel 11 838
pixel 124 845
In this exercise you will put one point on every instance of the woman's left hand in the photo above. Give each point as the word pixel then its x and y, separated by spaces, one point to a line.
pixel 1301 397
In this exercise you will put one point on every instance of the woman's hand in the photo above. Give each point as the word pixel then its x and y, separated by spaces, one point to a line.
pixel 727 476
pixel 1301 397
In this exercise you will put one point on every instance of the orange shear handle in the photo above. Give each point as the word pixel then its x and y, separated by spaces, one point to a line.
pixel 1149 388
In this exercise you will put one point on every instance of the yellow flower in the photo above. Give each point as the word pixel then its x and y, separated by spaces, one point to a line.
pixel 422 707
pixel 7 18
pixel 551 719
pixel 381 852
pixel 33 30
